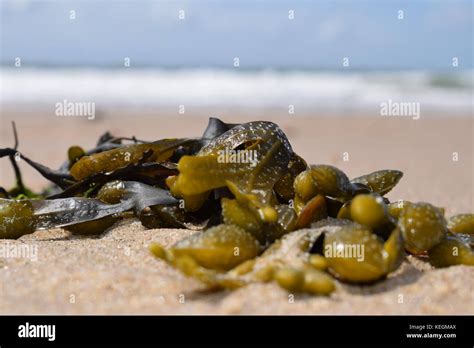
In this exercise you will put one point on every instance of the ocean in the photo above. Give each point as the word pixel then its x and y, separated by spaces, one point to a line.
pixel 206 87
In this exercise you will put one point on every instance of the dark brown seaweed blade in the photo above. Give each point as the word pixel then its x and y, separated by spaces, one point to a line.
pixel 172 216
pixel 69 211
pixel 106 142
pixel 149 173
pixel 4 193
pixel 111 160
pixel 216 127
pixel 59 178
pixel 144 195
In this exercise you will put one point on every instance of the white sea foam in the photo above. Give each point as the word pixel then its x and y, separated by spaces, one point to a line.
pixel 213 87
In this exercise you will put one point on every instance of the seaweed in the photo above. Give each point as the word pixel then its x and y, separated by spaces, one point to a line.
pixel 263 214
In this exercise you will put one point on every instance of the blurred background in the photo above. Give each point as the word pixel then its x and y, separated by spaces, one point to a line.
pixel 338 55
pixel 321 69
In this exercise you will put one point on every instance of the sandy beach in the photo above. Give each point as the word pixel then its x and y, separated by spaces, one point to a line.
pixel 115 273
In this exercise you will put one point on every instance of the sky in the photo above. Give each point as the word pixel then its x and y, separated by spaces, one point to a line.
pixel 369 33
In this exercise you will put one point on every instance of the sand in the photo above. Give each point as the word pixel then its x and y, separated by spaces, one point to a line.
pixel 115 273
